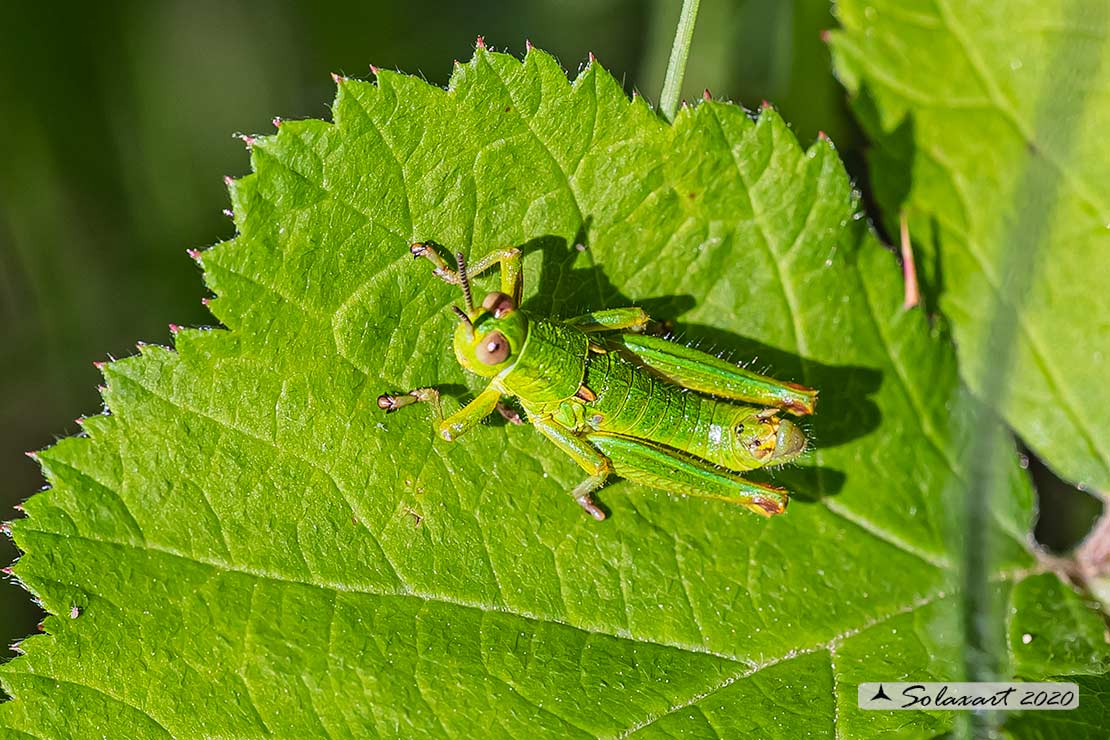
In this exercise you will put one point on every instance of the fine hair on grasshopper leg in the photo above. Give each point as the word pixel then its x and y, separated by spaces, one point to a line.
pixel 615 400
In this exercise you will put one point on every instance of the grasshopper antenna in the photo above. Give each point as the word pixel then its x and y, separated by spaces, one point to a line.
pixel 462 315
pixel 464 281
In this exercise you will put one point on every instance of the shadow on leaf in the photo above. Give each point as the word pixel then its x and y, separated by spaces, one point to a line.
pixel 844 411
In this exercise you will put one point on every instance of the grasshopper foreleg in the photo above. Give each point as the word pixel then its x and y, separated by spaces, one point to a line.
pixel 508 258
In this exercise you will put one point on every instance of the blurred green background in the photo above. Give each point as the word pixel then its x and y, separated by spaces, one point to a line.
pixel 116 129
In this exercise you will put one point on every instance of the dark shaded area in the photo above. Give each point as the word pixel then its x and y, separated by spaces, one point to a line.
pixel 806 482
pixel 845 411
pixel 1065 515
pixel 117 130
pixel 886 184
pixel 571 283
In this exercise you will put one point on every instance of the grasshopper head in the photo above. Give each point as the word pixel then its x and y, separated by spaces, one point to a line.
pixel 489 336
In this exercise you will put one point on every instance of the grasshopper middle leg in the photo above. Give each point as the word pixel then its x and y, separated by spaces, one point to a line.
pixel 592 461
pixel 453 426
pixel 611 319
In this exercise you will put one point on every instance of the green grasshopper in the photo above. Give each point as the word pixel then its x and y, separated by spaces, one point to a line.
pixel 616 400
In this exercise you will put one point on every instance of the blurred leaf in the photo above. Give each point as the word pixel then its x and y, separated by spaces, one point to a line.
pixel 245 545
pixel 990 124
pixel 753 51
pixel 1087 720
pixel 1051 630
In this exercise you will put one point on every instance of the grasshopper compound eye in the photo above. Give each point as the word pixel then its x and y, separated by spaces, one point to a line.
pixel 493 349
pixel 499 304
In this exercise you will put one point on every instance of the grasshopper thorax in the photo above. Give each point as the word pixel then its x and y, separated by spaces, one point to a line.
pixel 489 337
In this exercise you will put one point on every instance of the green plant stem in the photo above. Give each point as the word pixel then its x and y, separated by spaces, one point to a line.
pixel 676 67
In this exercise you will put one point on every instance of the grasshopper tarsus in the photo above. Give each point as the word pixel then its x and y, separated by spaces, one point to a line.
pixel 509 414
pixel 587 503
pixel 660 328
pixel 388 403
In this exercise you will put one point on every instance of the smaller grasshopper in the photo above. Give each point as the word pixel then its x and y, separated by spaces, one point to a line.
pixel 615 400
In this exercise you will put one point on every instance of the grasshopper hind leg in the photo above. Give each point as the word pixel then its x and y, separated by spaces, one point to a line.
pixel 670 470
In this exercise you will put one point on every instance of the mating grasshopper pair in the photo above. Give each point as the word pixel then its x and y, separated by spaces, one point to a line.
pixel 615 400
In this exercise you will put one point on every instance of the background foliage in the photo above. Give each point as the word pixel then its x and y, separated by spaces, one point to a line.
pixel 304 507
pixel 936 546
pixel 988 134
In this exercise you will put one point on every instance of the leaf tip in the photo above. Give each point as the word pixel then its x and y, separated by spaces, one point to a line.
pixel 764 104
pixel 99 364
pixel 528 45
pixel 229 180
pixel 206 301
pixel 174 328
pixel 822 136
pixel 479 43
pixel 194 254
pixel 229 213
pixel 590 56
pixel 373 70
pixel 276 121
pixel 247 139
pixel 825 35
pixel 337 78
pixel 6 570
pixel 706 95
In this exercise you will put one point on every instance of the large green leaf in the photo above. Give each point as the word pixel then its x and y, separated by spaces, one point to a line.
pixel 246 545
pixel 990 123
